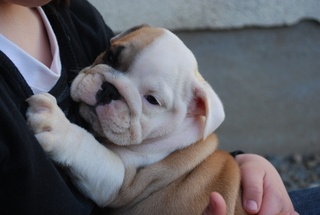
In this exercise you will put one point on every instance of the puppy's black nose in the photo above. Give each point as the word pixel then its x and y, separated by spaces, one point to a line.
pixel 107 93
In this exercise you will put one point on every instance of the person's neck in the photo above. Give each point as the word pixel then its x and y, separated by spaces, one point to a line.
pixel 24 27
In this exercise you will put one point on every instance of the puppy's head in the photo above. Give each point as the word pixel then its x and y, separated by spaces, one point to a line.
pixel 144 87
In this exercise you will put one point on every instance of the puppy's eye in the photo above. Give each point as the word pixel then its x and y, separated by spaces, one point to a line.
pixel 112 56
pixel 152 100
pixel 109 58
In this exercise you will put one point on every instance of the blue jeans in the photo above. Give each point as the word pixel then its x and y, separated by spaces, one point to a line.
pixel 306 201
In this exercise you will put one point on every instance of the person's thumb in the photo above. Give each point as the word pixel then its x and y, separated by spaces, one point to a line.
pixel 217 205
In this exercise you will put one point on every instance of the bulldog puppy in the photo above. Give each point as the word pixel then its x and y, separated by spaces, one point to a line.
pixel 152 115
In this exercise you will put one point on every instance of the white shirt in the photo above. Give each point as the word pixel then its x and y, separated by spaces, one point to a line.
pixel 39 77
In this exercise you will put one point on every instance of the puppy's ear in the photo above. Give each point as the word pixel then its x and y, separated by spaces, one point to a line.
pixel 206 103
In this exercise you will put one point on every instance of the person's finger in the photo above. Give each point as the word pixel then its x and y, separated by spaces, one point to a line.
pixel 252 186
pixel 252 193
pixel 217 205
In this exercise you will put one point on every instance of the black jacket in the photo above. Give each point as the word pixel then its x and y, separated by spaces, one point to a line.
pixel 29 182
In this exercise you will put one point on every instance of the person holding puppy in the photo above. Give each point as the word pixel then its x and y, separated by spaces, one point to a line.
pixel 43 44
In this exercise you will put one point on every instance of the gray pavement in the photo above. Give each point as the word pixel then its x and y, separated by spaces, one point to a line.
pixel 269 82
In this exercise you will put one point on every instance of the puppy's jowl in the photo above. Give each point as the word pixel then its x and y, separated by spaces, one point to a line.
pixel 154 116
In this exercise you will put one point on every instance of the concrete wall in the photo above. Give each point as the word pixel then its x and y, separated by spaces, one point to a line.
pixel 205 14
pixel 269 82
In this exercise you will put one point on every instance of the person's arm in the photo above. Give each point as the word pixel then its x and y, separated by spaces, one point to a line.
pixel 263 189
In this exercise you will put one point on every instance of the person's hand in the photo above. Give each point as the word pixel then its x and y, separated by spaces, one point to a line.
pixel 217 206
pixel 263 189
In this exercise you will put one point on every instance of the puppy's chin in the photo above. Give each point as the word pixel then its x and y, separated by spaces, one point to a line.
pixel 122 139
pixel 118 135
pixel 105 127
pixel 89 115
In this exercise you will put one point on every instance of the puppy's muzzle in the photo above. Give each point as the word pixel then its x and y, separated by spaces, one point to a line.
pixel 107 93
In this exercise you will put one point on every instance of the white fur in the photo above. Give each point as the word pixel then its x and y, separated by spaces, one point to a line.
pixel 143 133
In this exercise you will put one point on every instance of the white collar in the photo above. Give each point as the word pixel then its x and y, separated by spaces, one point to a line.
pixel 39 77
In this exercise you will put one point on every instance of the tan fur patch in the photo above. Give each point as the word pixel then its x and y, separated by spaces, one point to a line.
pixel 126 46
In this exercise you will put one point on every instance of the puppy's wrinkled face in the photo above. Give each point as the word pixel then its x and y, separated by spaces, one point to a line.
pixel 141 88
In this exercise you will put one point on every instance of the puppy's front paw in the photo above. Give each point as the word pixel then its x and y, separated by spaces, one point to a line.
pixel 38 114
pixel 47 121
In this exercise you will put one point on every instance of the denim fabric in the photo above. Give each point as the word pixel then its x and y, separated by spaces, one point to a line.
pixel 306 201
